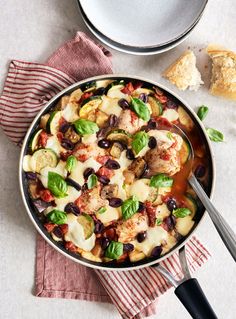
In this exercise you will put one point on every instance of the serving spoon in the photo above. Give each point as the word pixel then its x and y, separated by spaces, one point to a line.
pixel 225 231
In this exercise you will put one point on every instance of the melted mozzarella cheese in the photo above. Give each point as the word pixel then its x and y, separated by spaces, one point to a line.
pixel 171 115
pixel 155 237
pixel 59 169
pixel 140 188
pixel 184 225
pixel 110 106
pixel 54 145
pixel 70 112
pixel 123 160
pixel 109 215
pixel 73 194
pixel 103 83
pixel 76 235
pixel 118 179
pixel 162 211
pixel 89 139
pixel 78 171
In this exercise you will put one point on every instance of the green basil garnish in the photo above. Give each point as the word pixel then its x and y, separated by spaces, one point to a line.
pixel 140 141
pixel 169 135
pixel 161 180
pixel 129 207
pixel 202 112
pixel 92 181
pixel 57 185
pixel 114 250
pixel 71 163
pixel 214 135
pixel 140 108
pixel 57 217
pixel 102 210
pixel 159 221
pixel 85 127
pixel 181 212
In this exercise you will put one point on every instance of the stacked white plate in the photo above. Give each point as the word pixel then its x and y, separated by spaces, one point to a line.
pixel 141 27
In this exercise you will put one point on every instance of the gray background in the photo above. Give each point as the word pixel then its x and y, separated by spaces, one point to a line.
pixel 31 30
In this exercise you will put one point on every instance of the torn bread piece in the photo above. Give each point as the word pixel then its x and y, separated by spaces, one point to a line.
pixel 223 78
pixel 183 72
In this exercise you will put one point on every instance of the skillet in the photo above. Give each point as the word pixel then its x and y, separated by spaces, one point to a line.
pixel 187 289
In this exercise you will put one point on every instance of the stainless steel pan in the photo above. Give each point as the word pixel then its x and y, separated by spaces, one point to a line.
pixel 188 289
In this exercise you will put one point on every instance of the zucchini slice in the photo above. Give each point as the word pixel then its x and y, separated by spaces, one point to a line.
pixel 156 106
pixel 185 119
pixel 191 203
pixel 89 106
pixel 119 136
pixel 185 152
pixel 42 158
pixel 52 126
pixel 34 140
pixel 87 223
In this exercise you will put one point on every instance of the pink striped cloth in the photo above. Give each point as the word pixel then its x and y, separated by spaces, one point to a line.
pixel 27 88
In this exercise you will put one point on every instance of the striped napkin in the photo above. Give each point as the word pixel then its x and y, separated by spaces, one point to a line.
pixel 28 87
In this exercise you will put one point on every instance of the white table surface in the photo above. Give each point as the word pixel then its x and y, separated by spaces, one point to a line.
pixel 31 30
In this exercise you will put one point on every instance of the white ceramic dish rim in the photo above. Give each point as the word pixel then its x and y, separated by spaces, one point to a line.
pixel 74 86
pixel 182 34
pixel 124 49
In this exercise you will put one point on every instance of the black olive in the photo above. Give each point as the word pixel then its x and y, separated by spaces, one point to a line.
pixel 112 164
pixel 113 120
pixel 104 243
pixel 88 171
pixel 152 125
pixel 143 97
pixel 141 236
pixel 100 91
pixel 31 175
pixel 72 208
pixel 170 222
pixel 123 103
pixel 64 127
pixel 200 171
pixel 72 183
pixel 171 204
pixel 67 144
pixel 152 142
pixel 156 252
pixel 104 143
pixel 58 232
pixel 104 180
pixel 128 247
pixel 99 227
pixel 130 154
pixel 141 207
pixel 115 202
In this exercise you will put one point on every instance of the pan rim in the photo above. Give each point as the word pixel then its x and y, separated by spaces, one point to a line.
pixel 24 144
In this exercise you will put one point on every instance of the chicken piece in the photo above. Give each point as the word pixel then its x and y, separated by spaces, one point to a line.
pixel 90 201
pixel 135 170
pixel 130 122
pixel 127 230
pixel 165 157
pixel 84 151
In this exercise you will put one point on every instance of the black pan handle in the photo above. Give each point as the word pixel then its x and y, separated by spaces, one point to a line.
pixel 194 300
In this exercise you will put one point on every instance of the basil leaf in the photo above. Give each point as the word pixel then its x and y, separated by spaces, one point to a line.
pixel 71 163
pixel 114 250
pixel 102 210
pixel 169 135
pixel 129 207
pixel 85 127
pixel 57 217
pixel 181 212
pixel 161 180
pixel 140 141
pixel 159 221
pixel 202 112
pixel 140 108
pixel 214 135
pixel 57 185
pixel 92 181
